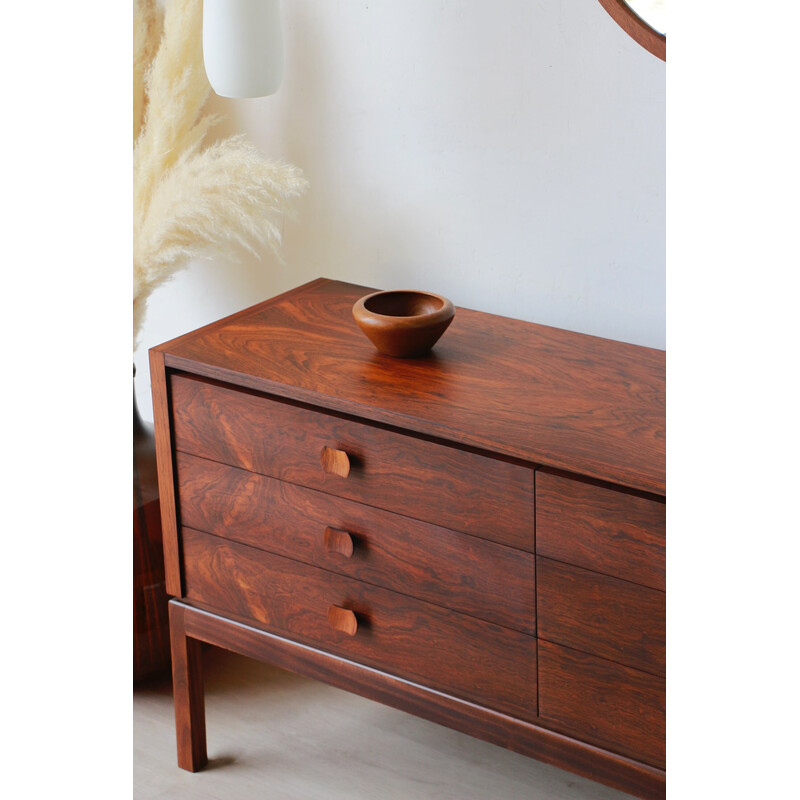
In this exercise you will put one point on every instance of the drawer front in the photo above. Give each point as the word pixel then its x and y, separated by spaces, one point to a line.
pixel 450 652
pixel 428 481
pixel 463 573
pixel 608 617
pixel 615 707
pixel 602 529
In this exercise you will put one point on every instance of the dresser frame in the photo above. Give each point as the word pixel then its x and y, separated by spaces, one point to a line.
pixel 635 465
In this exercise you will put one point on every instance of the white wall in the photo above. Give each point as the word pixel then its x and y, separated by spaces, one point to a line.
pixel 508 154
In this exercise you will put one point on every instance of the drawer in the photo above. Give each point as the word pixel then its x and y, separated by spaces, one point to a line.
pixel 611 531
pixel 436 483
pixel 608 617
pixel 464 573
pixel 604 703
pixel 444 650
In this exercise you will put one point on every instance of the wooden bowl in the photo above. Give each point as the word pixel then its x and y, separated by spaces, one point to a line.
pixel 403 323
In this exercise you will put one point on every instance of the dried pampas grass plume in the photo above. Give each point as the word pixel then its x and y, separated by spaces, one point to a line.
pixel 148 22
pixel 186 199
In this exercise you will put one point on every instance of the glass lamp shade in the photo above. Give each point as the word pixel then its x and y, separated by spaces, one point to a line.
pixel 243 46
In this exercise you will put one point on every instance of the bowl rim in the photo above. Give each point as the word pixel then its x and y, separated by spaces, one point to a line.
pixel 446 311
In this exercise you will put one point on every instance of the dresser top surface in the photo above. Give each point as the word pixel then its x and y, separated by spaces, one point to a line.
pixel 551 397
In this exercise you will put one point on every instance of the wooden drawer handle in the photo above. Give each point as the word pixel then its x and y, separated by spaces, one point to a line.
pixel 337 541
pixel 342 619
pixel 335 462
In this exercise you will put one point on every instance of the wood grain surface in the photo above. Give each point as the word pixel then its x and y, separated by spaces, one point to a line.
pixel 166 482
pixel 188 693
pixel 531 392
pixel 600 528
pixel 522 737
pixel 637 28
pixel 406 571
pixel 464 573
pixel 608 617
pixel 444 485
pixel 466 657
pixel 605 703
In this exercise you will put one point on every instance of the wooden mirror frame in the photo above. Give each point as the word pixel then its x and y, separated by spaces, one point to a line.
pixel 636 27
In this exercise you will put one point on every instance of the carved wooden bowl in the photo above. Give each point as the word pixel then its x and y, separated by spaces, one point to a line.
pixel 403 323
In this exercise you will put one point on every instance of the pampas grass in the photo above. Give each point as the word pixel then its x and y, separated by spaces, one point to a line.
pixel 189 199
pixel 147 26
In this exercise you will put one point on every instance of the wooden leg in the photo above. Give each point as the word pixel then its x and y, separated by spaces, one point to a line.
pixel 187 684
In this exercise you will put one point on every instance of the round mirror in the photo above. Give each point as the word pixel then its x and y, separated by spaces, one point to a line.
pixel 643 20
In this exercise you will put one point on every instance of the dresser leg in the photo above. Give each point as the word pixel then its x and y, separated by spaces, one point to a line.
pixel 187 684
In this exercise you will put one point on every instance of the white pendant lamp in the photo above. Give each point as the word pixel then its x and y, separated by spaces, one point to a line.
pixel 243 46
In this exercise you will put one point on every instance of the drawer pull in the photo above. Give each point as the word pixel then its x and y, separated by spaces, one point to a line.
pixel 342 619
pixel 337 541
pixel 335 462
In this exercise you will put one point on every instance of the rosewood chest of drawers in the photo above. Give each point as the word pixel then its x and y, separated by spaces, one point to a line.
pixel 476 536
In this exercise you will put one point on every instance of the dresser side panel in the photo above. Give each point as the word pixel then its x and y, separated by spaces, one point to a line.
pixel 166 479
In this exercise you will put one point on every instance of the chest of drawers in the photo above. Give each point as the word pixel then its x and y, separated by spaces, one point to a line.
pixel 476 536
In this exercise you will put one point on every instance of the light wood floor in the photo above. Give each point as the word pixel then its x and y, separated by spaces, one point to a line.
pixel 275 736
